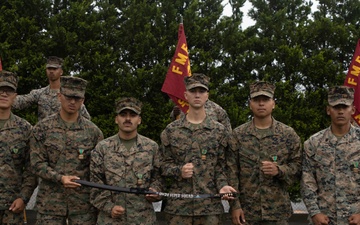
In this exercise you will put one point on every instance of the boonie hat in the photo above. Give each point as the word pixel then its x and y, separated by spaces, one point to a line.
pixel 341 95
pixel 262 88
pixel 128 103
pixel 197 80
pixel 8 79
pixel 73 86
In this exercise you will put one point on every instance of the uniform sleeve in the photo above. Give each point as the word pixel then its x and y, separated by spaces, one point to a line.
pixel 291 171
pixel 224 120
pixel 100 135
pixel 156 179
pixel 39 157
pixel 309 185
pixel 232 158
pixel 29 178
pixel 221 164
pixel 25 101
pixel 169 168
pixel 84 112
pixel 99 198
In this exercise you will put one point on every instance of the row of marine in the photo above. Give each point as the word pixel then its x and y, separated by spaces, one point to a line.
pixel 199 154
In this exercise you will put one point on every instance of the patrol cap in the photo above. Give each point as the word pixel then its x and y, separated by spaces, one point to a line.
pixel 8 79
pixel 197 80
pixel 262 88
pixel 128 103
pixel 341 95
pixel 73 86
pixel 54 62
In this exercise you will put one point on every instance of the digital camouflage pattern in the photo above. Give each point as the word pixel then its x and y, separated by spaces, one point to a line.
pixel 73 86
pixel 8 79
pixel 197 80
pixel 55 151
pixel 193 220
pixel 113 164
pixel 17 181
pixel 83 219
pixel 341 95
pixel 215 112
pixel 183 142
pixel 46 100
pixel 264 197
pixel 262 88
pixel 330 181
pixel 128 103
pixel 54 62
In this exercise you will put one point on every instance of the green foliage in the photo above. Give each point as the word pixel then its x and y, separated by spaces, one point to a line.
pixel 123 48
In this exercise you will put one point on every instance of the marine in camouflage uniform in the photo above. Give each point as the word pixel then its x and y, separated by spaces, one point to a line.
pixel 213 110
pixel 60 153
pixel 17 182
pixel 330 184
pixel 193 156
pixel 217 113
pixel 130 160
pixel 268 155
pixel 46 98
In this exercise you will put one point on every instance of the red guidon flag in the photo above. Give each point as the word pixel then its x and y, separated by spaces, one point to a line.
pixel 179 69
pixel 353 80
pixel 0 65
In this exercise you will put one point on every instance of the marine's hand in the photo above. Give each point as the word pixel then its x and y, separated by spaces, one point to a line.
pixel 152 197
pixel 187 170
pixel 176 111
pixel 354 219
pixel 320 219
pixel 238 217
pixel 227 189
pixel 117 211
pixel 269 168
pixel 68 182
pixel 17 206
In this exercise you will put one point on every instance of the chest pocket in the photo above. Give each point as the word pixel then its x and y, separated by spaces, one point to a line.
pixel 142 166
pixel 248 159
pixel 18 151
pixel 54 148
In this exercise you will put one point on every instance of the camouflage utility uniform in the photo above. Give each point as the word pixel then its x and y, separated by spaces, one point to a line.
pixel 217 113
pixel 214 111
pixel 263 197
pixel 330 183
pixel 113 164
pixel 183 142
pixel 47 101
pixel 16 179
pixel 55 151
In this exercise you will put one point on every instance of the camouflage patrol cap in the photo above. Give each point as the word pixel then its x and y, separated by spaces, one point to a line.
pixel 341 95
pixel 54 62
pixel 8 79
pixel 262 88
pixel 197 80
pixel 73 86
pixel 128 103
